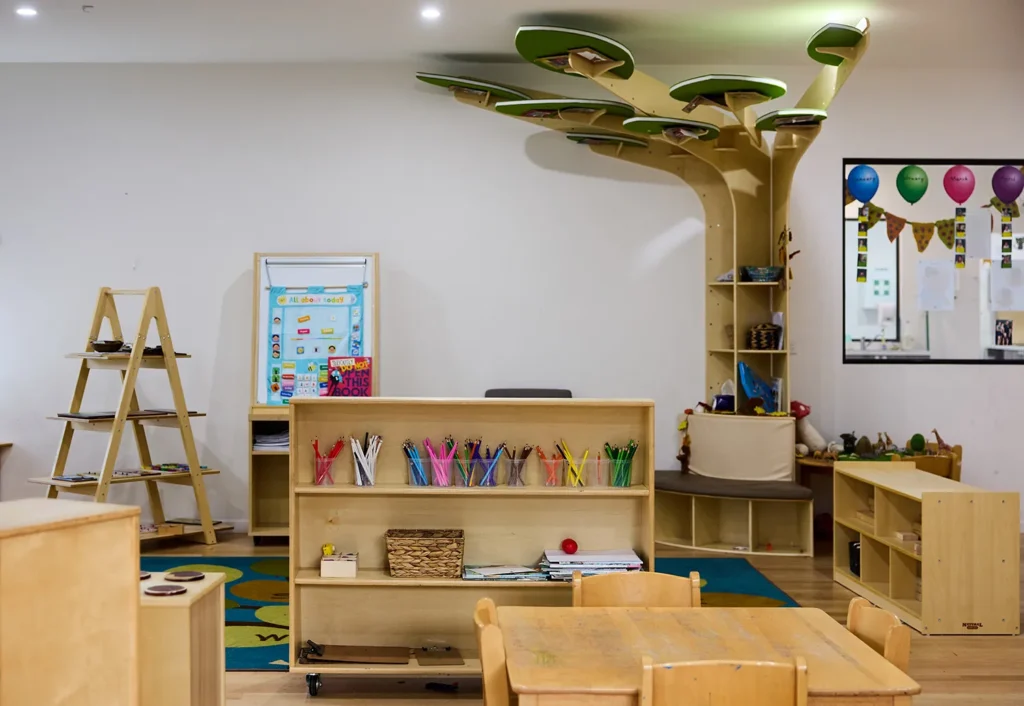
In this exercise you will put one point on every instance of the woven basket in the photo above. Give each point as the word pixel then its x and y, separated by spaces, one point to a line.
pixel 763 337
pixel 425 553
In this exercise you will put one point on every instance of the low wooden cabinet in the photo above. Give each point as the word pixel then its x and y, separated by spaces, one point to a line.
pixel 69 606
pixel 181 655
pixel 965 578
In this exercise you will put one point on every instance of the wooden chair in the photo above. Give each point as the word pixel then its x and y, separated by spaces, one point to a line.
pixel 492 663
pixel 724 683
pixel 636 589
pixel 484 614
pixel 881 631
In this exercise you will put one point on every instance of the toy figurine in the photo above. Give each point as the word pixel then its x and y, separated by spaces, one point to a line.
pixel 805 431
pixel 880 445
pixel 943 446
pixel 849 442
pixel 864 447
pixel 889 446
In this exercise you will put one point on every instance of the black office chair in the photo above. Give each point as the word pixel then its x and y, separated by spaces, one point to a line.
pixel 528 392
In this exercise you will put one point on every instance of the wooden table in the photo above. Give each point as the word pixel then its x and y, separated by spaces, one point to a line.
pixel 805 465
pixel 576 656
pixel 181 645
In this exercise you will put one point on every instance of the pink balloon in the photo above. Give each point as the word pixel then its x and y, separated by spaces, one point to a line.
pixel 959 183
pixel 1008 183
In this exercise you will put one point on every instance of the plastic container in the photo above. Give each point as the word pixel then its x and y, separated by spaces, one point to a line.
pixel 597 474
pixel 515 472
pixel 481 478
pixel 621 473
pixel 553 472
pixel 419 471
pixel 443 473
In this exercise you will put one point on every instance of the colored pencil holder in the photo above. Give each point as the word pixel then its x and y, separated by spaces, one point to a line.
pixel 553 471
pixel 621 473
pixel 323 471
pixel 443 473
pixel 515 472
pixel 419 471
pixel 597 474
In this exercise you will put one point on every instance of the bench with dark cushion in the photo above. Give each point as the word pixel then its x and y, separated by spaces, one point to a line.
pixel 693 484
pixel 733 516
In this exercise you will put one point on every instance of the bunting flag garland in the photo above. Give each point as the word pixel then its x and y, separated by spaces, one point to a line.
pixel 847 196
pixel 923 233
pixel 1000 206
pixel 874 215
pixel 894 225
pixel 947 232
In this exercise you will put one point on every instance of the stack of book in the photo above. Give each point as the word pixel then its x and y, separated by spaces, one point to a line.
pixel 560 565
pixel 504 572
pixel 270 442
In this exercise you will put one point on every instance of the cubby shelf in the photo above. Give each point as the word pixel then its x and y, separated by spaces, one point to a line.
pixel 966 580
pixel 502 525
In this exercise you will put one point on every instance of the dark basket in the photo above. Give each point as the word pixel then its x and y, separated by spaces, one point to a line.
pixel 763 337
pixel 762 274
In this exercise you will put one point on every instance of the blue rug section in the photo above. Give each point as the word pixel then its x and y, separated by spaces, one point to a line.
pixel 256 606
pixel 729 582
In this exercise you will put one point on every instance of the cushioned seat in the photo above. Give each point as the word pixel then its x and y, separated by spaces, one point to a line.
pixel 693 484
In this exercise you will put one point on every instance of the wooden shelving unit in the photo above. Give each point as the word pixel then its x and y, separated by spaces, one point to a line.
pixel 969 565
pixel 128 414
pixel 502 524
pixel 268 476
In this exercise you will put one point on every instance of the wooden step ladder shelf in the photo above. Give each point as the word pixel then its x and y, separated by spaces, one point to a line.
pixel 129 414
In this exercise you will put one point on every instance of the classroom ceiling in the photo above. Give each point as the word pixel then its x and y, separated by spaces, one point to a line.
pixel 907 33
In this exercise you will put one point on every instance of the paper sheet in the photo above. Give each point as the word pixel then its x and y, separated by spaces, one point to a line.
pixel 1007 287
pixel 936 286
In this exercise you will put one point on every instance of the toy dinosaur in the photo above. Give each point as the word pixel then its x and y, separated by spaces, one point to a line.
pixel 943 446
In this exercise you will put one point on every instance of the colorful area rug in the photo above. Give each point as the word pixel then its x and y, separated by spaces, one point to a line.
pixel 256 603
pixel 729 583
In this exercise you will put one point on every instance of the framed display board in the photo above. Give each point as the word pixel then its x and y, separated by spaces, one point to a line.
pixel 315 326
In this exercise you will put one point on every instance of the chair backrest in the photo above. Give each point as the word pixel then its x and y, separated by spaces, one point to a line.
pixel 492 663
pixel 636 589
pixel 881 631
pixel 724 683
pixel 946 464
pixel 484 614
pixel 528 392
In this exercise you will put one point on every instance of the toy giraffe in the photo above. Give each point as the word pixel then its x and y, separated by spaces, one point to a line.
pixel 943 446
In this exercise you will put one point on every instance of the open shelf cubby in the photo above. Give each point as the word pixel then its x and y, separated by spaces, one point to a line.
pixel 502 525
pixel 961 577
pixel 268 477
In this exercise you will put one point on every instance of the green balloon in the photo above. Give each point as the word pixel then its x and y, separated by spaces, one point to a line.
pixel 912 182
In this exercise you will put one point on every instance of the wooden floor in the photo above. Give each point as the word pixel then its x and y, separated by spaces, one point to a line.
pixel 974 671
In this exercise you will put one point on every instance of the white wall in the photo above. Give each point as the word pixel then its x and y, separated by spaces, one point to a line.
pixel 138 175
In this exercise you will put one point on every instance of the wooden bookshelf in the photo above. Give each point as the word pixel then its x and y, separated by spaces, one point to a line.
pixel 502 524
pixel 268 477
pixel 969 565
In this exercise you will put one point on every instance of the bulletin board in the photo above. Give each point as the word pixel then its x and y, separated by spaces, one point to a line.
pixel 315 326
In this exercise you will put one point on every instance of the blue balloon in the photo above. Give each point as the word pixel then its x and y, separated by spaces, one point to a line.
pixel 862 183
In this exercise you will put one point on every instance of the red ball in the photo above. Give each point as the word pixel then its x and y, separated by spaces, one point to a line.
pixel 569 545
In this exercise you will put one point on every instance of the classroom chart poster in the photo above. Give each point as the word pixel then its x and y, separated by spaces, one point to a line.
pixel 306 327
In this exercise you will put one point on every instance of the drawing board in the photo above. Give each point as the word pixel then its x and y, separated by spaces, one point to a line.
pixel 313 314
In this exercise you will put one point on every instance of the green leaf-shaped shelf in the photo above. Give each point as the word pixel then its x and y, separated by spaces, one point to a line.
pixel 472 84
pixel 713 87
pixel 549 48
pixel 549 108
pixel 598 138
pixel 794 117
pixel 833 36
pixel 679 128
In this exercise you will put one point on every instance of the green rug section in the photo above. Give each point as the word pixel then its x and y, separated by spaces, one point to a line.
pixel 793 117
pixel 656 126
pixel 548 108
pixel 728 583
pixel 589 138
pixel 472 84
pixel 832 35
pixel 255 602
pixel 549 47
pixel 713 87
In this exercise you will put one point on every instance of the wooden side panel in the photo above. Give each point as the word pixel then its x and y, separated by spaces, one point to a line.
pixel 206 651
pixel 164 658
pixel 971 570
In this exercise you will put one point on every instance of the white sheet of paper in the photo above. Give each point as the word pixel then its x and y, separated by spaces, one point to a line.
pixel 936 285
pixel 1007 287
pixel 979 233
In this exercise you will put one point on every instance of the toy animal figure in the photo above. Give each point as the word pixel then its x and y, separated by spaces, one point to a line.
pixel 889 446
pixel 834 448
pixel 943 446
pixel 849 442
pixel 802 450
pixel 830 456
pixel 805 431
pixel 863 447
pixel 880 445
pixel 684 454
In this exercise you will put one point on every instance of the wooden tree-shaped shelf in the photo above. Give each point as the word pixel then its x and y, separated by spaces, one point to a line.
pixel 128 412
pixel 705 131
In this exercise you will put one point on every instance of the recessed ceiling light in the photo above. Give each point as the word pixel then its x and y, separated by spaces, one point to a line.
pixel 430 13
pixel 27 11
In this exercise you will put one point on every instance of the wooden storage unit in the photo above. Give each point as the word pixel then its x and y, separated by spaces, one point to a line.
pixel 69 603
pixel 268 476
pixel 181 651
pixel 734 525
pixel 969 566
pixel 502 524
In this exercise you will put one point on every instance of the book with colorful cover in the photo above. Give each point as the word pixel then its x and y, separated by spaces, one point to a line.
pixel 349 376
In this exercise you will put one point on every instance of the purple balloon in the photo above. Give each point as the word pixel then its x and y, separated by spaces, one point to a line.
pixel 1008 183
pixel 959 183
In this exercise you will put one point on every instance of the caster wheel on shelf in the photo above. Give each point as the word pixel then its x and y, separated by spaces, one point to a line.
pixel 313 683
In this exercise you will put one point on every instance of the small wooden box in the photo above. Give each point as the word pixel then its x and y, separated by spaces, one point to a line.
pixel 339 566
pixel 181 644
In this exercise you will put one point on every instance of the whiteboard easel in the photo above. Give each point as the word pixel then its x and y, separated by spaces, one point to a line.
pixel 312 270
